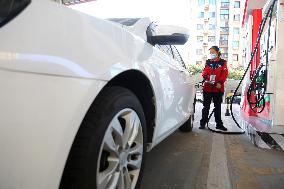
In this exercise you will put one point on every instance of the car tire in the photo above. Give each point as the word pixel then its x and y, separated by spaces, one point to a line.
pixel 110 146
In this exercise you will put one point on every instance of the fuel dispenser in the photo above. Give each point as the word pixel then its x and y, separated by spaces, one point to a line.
pixel 266 88
pixel 262 107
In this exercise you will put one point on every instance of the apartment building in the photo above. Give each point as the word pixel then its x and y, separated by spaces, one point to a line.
pixel 216 22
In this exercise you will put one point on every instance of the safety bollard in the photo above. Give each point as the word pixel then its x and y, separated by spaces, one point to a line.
pixel 227 109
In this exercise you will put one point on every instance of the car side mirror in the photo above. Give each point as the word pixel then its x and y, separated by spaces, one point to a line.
pixel 174 39
pixel 169 35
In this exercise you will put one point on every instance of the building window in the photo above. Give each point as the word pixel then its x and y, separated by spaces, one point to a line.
pixel 212 27
pixel 236 31
pixel 199 27
pixel 224 17
pixel 200 39
pixel 224 43
pixel 224 50
pixel 212 2
pixel 225 5
pixel 237 4
pixel 235 57
pixel 201 2
pixel 237 17
pixel 224 11
pixel 225 55
pixel 199 51
pixel 211 39
pixel 223 37
pixel 224 14
pixel 201 15
pixel 224 30
pixel 212 14
pixel 235 45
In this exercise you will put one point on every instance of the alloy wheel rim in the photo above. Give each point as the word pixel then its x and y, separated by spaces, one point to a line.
pixel 121 152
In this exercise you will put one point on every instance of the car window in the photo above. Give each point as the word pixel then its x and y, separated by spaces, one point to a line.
pixel 166 49
pixel 177 56
pixel 172 51
pixel 11 8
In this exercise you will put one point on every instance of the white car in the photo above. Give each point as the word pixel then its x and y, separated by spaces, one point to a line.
pixel 82 99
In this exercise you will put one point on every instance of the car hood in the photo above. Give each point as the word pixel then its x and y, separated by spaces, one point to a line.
pixel 48 38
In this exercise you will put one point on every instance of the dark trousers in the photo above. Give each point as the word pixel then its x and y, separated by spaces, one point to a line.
pixel 217 100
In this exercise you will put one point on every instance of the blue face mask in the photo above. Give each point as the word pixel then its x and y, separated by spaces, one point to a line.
pixel 213 56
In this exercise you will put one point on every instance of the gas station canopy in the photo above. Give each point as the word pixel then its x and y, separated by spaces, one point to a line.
pixel 251 5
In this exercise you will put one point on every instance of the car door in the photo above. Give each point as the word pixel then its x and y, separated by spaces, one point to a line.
pixel 187 91
pixel 176 93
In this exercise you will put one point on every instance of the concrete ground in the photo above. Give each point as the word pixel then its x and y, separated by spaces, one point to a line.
pixel 202 159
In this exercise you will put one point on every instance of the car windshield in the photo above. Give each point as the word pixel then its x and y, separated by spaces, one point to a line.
pixel 125 21
pixel 10 8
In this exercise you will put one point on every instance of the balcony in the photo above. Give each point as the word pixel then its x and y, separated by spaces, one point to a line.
pixel 206 19
pixel 224 17
pixel 223 43
pixel 224 30
pixel 225 5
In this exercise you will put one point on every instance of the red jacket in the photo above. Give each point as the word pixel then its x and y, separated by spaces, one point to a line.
pixel 216 67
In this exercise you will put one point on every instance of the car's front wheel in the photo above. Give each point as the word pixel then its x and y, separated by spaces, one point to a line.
pixel 109 149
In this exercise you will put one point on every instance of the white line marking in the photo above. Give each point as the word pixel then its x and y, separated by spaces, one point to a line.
pixel 279 139
pixel 262 144
pixel 218 175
